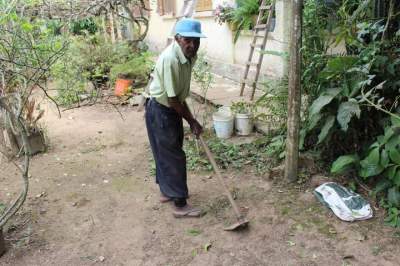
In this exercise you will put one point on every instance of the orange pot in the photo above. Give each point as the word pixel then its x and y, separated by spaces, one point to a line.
pixel 122 86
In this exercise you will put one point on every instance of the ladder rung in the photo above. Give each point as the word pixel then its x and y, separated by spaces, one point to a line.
pixel 251 64
pixel 259 35
pixel 248 82
pixel 265 7
pixel 260 26
pixel 256 45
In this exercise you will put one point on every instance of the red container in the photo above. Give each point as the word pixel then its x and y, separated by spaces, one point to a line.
pixel 122 86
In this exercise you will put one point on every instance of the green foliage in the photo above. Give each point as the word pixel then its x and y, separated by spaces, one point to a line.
pixel 204 78
pixel 354 96
pixel 243 16
pixel 138 68
pixel 202 72
pixel 83 26
pixel 224 13
pixel 90 58
pixel 243 107
pixel 260 154
pixel 271 107
pixel 344 163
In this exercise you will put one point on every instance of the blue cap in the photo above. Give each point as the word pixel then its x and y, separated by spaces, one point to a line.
pixel 188 27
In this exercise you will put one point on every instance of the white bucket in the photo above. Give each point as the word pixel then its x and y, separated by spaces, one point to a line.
pixel 243 124
pixel 223 124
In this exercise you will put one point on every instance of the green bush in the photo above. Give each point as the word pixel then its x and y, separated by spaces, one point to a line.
pixel 83 26
pixel 138 68
pixel 354 96
pixel 90 58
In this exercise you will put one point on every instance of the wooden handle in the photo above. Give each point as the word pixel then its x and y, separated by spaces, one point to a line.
pixel 220 178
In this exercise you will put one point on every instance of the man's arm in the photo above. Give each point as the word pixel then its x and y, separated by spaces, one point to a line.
pixel 183 110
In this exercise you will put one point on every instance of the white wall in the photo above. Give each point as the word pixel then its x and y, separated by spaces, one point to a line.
pixel 228 58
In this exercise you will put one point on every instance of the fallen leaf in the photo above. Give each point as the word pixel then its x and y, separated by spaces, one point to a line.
pixel 207 247
pixel 332 231
pixel 194 232
pixel 291 243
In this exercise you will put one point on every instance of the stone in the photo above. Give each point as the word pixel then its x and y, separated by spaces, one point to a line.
pixel 317 180
pixel 136 100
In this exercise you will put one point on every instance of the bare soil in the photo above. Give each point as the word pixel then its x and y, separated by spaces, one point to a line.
pixel 93 200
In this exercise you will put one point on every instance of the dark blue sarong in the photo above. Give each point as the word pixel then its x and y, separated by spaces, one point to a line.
pixel 165 131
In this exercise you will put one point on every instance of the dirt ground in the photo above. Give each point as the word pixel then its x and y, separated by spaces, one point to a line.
pixel 93 200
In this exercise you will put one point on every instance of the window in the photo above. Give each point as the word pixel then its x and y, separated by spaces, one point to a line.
pixel 204 5
pixel 166 7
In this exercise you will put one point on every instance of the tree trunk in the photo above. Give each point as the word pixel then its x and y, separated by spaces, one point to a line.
pixel 118 25
pixel 112 28
pixel 294 98
pixel 104 26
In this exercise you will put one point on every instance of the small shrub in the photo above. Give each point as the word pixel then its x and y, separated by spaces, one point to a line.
pixel 137 68
pixel 90 58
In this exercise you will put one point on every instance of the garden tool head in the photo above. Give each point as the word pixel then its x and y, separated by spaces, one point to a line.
pixel 240 224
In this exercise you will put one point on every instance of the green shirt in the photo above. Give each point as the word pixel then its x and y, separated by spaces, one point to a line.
pixel 172 75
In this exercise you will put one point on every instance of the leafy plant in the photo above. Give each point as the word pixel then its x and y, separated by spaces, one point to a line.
pixel 90 59
pixel 353 97
pixel 243 16
pixel 137 68
pixel 243 107
pixel 83 26
pixel 272 105
pixel 204 78
pixel 224 13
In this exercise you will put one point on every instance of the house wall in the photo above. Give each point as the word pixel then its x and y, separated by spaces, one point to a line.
pixel 228 59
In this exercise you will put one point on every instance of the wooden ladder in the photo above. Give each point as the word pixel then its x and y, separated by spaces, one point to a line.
pixel 260 31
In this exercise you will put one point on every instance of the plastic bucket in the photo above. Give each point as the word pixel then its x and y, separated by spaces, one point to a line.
pixel 223 124
pixel 243 124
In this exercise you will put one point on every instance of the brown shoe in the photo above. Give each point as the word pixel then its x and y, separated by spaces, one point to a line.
pixel 187 211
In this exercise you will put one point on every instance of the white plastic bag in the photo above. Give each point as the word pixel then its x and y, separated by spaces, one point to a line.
pixel 344 203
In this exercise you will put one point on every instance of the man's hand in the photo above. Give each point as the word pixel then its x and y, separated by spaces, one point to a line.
pixel 196 128
pixel 183 110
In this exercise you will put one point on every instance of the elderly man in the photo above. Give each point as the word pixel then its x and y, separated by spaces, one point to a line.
pixel 165 110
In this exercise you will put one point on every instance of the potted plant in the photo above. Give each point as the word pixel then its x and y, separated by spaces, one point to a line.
pixel 36 139
pixel 243 117
pixel 243 16
pixel 224 14
pixel 133 72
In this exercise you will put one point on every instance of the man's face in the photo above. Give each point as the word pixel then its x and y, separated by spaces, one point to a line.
pixel 189 45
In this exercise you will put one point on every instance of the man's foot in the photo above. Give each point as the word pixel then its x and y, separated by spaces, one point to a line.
pixel 187 211
pixel 164 199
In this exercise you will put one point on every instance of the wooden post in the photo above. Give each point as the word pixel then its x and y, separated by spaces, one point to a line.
pixel 294 98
